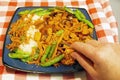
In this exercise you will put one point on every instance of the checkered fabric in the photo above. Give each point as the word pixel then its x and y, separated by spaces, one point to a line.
pixel 99 10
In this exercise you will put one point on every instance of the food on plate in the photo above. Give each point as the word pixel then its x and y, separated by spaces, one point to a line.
pixel 42 36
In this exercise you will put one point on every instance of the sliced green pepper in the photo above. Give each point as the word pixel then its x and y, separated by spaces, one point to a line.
pixel 54 44
pixel 80 14
pixel 47 51
pixel 24 12
pixel 83 19
pixel 69 10
pixel 19 54
pixel 36 10
pixel 58 33
pixel 30 58
pixel 53 61
pixel 88 23
pixel 42 13
pixel 77 16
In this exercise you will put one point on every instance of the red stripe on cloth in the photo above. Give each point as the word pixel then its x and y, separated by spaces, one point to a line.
pixel 28 3
pixel 0 52
pixel 12 4
pixel 69 76
pixel 58 3
pixel 96 21
pixel 19 75
pixel 9 13
pixel 93 10
pixel 101 33
pixel 44 76
pixel 2 37
pixel 89 1
pixel 74 3
pixel 44 3
pixel 1 69
pixel 5 24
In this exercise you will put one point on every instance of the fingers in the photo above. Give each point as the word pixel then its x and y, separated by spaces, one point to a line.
pixel 90 77
pixel 85 49
pixel 94 43
pixel 85 63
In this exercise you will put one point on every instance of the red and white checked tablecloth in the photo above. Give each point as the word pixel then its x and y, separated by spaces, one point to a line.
pixel 99 10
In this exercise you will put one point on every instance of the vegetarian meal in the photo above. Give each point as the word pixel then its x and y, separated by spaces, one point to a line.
pixel 42 36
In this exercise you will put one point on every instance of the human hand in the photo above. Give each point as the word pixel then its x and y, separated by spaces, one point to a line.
pixel 100 60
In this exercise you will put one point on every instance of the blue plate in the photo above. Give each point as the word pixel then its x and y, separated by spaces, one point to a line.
pixel 19 65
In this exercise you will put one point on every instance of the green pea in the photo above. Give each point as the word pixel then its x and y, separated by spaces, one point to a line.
pixel 53 61
pixel 46 54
